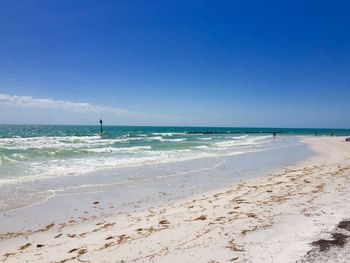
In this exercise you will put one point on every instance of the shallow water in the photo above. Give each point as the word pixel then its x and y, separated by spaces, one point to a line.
pixel 128 189
pixel 38 162
pixel 126 162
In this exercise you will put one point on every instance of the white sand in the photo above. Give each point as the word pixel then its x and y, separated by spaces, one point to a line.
pixel 269 219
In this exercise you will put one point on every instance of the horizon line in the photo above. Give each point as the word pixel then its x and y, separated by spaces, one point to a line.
pixel 174 126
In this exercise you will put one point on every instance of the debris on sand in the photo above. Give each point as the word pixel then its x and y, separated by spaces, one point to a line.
pixel 345 224
pixel 164 222
pixel 338 240
pixel 25 246
pixel 202 217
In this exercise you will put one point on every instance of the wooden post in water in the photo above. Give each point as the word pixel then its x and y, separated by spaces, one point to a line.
pixel 101 126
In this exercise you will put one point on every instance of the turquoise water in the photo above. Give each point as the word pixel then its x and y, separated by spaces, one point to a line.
pixel 33 151
pixel 27 149
pixel 37 161
pixel 10 131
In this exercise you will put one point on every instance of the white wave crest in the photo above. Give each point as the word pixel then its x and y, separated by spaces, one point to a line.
pixel 205 139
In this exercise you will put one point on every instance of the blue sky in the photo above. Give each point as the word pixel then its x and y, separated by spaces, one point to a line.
pixel 207 63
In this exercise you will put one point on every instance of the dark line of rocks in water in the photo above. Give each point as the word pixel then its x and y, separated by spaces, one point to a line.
pixel 230 132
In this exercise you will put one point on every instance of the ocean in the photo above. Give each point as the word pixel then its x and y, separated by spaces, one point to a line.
pixel 41 161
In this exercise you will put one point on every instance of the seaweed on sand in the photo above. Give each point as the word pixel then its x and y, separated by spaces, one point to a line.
pixel 338 240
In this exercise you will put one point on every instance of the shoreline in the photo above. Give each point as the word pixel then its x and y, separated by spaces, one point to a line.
pixel 174 181
pixel 223 225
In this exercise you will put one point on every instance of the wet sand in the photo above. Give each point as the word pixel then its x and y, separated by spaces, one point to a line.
pixel 273 218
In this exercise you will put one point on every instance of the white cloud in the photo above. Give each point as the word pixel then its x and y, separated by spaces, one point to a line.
pixel 80 107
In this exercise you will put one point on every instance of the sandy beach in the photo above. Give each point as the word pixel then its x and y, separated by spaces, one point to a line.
pixel 293 215
pixel 174 131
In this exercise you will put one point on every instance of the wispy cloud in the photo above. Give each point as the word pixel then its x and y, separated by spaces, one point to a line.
pixel 80 107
